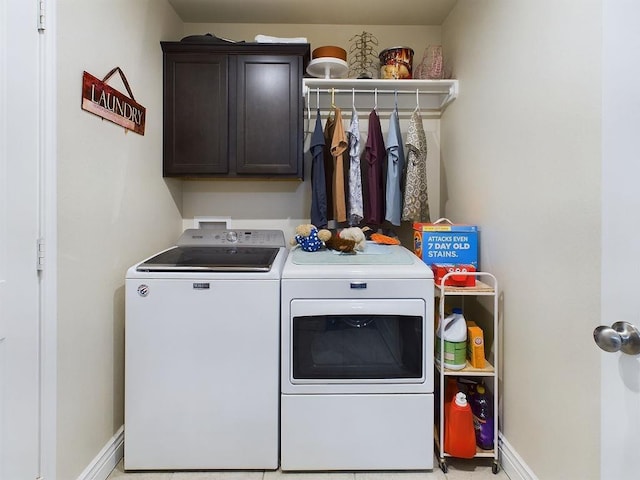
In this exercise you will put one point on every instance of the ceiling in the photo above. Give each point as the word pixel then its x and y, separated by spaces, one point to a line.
pixel 331 12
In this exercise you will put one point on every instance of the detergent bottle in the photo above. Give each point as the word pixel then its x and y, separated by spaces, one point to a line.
pixel 459 432
pixel 454 331
pixel 482 408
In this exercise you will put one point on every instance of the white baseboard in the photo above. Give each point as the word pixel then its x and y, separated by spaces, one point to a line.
pixel 104 463
pixel 512 463
pixel 107 459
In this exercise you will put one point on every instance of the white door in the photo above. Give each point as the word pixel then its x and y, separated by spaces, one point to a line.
pixel 620 373
pixel 19 285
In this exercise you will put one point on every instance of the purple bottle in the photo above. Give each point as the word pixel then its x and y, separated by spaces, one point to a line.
pixel 482 408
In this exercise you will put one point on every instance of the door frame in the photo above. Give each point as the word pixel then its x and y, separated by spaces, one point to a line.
pixel 48 232
pixel 43 57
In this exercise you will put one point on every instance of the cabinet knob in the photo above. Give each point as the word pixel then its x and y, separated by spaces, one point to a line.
pixel 621 336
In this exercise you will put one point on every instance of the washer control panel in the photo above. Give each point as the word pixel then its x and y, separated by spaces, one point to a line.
pixel 212 237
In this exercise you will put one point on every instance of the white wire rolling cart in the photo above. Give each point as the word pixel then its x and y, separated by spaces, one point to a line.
pixel 486 285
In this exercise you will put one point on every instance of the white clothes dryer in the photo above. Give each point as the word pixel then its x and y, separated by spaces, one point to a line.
pixel 357 380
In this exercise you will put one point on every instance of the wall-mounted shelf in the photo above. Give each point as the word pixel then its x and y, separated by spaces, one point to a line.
pixel 433 96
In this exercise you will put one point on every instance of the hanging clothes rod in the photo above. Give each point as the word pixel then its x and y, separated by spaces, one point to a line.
pixel 432 96
pixel 372 91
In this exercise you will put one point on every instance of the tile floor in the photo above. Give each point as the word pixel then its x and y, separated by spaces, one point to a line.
pixel 475 469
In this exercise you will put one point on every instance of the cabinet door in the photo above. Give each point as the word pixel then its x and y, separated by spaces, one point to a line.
pixel 195 114
pixel 268 115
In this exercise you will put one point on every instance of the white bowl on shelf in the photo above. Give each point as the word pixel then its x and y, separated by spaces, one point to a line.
pixel 327 67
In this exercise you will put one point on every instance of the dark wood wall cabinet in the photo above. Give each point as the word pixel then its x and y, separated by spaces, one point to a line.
pixel 233 110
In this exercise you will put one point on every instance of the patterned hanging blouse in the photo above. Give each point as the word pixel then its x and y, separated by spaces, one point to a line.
pixel 416 199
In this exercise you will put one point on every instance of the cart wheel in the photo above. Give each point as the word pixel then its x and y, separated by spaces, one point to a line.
pixel 495 469
pixel 443 466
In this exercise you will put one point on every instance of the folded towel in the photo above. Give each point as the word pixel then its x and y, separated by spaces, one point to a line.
pixel 268 39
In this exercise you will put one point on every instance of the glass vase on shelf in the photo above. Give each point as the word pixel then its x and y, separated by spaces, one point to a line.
pixel 432 65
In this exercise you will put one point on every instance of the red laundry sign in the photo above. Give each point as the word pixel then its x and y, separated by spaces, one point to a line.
pixel 108 103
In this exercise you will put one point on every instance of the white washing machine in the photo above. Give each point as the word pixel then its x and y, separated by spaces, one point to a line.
pixel 357 361
pixel 202 353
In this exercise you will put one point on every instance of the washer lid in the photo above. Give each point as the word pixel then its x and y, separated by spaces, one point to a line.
pixel 211 259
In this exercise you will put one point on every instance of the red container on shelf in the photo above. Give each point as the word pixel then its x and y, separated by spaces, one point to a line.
pixel 458 279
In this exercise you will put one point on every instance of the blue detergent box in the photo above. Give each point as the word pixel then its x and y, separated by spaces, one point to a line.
pixel 445 242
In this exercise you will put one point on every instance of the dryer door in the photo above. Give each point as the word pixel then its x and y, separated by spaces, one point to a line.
pixel 350 344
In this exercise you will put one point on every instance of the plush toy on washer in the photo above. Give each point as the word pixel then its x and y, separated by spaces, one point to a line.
pixel 348 240
pixel 310 239
pixel 357 235
pixel 307 238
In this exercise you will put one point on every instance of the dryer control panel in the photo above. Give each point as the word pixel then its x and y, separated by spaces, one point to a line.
pixel 211 237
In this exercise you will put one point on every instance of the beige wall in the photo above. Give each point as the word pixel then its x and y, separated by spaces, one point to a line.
pixel 521 158
pixel 114 209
